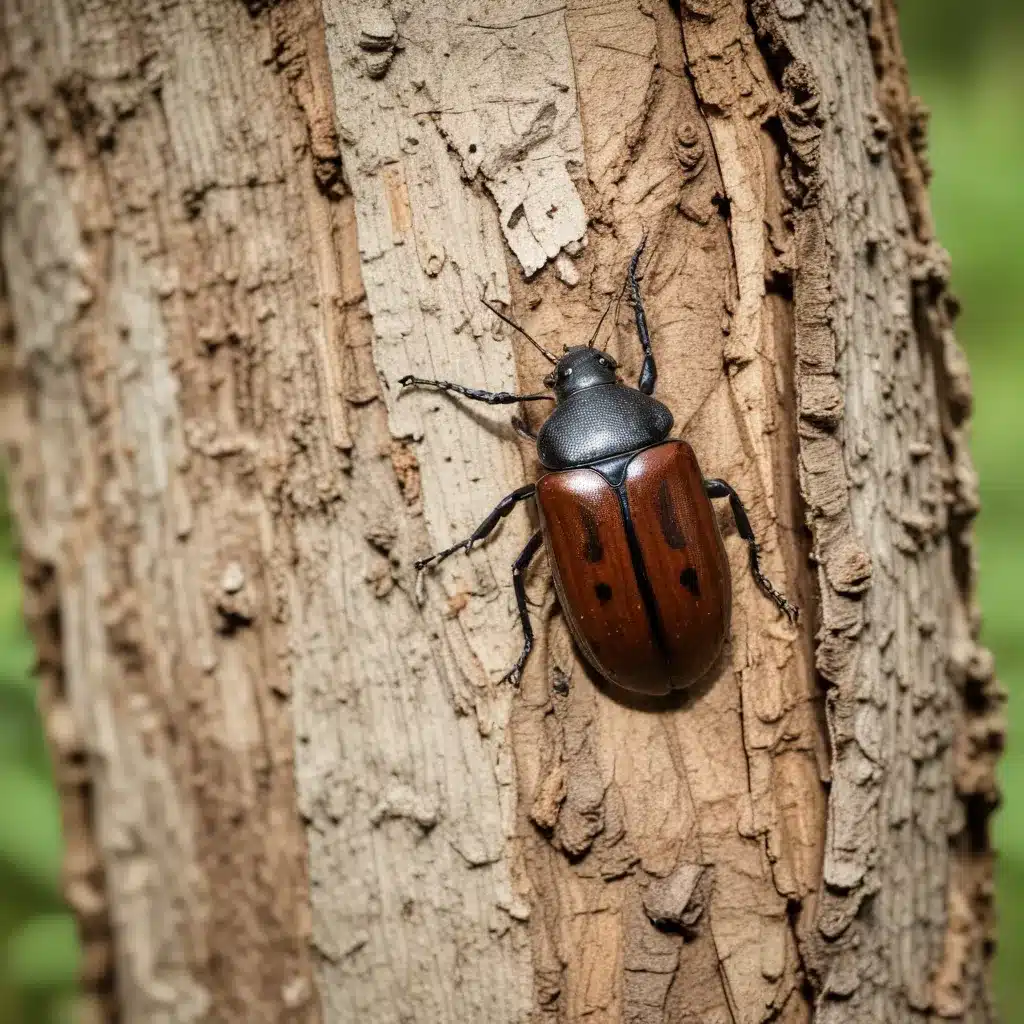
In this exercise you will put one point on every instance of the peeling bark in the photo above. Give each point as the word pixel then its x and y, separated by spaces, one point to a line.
pixel 291 784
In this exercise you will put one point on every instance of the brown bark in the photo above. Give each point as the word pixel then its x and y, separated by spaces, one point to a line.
pixel 292 787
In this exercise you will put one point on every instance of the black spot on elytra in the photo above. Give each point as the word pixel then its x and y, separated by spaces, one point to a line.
pixel 670 527
pixel 604 592
pixel 688 578
pixel 593 551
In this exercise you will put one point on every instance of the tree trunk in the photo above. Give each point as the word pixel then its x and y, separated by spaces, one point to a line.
pixel 293 788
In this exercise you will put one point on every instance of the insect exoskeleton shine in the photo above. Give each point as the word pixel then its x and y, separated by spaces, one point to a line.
pixel 626 518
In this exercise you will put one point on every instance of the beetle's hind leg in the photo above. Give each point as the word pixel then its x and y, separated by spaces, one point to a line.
pixel 519 567
pixel 720 489
pixel 499 512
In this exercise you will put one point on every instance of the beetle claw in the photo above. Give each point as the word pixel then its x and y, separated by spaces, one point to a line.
pixel 789 610
pixel 513 676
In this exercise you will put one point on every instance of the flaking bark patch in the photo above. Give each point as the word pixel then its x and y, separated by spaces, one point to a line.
pixel 678 900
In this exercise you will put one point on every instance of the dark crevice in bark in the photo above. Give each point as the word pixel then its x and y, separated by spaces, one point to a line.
pixel 780 282
pixel 977 811
pixel 719 200
pixel 296 27
pixel 795 130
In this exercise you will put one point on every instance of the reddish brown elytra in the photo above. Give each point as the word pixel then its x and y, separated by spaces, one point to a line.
pixel 660 629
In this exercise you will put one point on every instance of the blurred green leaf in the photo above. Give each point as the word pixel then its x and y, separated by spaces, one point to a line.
pixel 43 953
pixel 1010 953
pixel 30 840
pixel 15 649
pixel 949 40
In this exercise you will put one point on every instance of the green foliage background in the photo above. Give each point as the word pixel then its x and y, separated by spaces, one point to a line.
pixel 967 63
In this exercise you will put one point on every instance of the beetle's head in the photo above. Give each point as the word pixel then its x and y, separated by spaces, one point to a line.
pixel 580 368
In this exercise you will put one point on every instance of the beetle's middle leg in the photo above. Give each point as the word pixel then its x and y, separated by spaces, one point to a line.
pixel 649 370
pixel 499 512
pixel 720 489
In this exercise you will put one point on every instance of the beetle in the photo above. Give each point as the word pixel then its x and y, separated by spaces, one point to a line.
pixel 637 558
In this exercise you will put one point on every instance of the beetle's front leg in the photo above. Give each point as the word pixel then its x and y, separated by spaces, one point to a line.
pixel 474 394
pixel 499 512
pixel 649 370
pixel 519 567
pixel 720 489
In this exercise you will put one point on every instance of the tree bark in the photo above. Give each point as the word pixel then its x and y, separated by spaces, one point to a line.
pixel 293 788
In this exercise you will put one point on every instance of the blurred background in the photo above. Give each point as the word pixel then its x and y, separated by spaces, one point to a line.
pixel 967 61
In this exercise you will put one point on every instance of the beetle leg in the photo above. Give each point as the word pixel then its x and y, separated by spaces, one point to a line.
pixel 476 395
pixel 720 489
pixel 499 512
pixel 522 428
pixel 519 567
pixel 649 370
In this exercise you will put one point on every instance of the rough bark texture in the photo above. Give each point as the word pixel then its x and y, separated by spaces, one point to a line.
pixel 914 713
pixel 168 411
pixel 292 787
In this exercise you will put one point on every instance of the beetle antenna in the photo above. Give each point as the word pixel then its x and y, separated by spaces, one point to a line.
pixel 533 341
pixel 618 301
pixel 622 290
pixel 593 337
